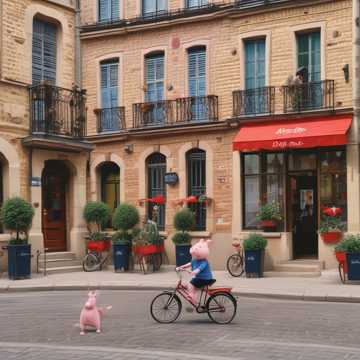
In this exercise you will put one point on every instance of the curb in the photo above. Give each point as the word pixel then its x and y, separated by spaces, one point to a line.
pixel 237 293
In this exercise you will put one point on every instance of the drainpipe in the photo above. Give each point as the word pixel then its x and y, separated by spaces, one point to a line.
pixel 77 44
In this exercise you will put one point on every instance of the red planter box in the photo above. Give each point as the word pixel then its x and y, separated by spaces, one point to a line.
pixel 341 258
pixel 331 237
pixel 148 249
pixel 98 246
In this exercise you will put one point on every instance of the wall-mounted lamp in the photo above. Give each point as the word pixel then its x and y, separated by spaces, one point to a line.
pixel 345 69
pixel 129 148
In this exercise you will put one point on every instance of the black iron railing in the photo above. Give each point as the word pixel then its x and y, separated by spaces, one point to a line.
pixel 315 95
pixel 201 108
pixel 57 111
pixel 170 112
pixel 259 101
pixel 110 119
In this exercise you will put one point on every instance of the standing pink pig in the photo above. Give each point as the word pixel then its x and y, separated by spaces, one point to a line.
pixel 91 315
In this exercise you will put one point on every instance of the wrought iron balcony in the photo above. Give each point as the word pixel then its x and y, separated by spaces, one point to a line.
pixel 110 119
pixel 57 111
pixel 171 112
pixel 316 95
pixel 196 109
pixel 252 102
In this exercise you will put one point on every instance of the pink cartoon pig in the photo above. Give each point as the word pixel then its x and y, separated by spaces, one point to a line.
pixel 91 315
pixel 200 268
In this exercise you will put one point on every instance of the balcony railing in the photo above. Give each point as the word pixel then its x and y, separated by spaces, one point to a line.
pixel 110 119
pixel 57 111
pixel 252 102
pixel 309 96
pixel 171 112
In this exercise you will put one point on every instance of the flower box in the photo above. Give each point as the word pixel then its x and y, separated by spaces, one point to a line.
pixel 331 237
pixel 99 246
pixel 148 249
pixel 341 258
pixel 268 225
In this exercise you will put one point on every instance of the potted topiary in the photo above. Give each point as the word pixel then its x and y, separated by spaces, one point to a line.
pixel 269 214
pixel 184 221
pixel 351 246
pixel 97 215
pixel 331 226
pixel 254 247
pixel 17 215
pixel 125 218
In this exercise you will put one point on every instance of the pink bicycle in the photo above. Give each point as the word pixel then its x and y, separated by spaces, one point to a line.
pixel 218 303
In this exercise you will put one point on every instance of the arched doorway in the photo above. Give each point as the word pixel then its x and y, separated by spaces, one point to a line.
pixel 55 179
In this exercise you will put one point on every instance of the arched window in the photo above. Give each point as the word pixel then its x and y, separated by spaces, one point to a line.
pixel 110 185
pixel 156 169
pixel 196 184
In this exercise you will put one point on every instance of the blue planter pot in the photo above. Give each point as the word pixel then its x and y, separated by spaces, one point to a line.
pixel 19 261
pixel 121 254
pixel 182 254
pixel 353 263
pixel 254 263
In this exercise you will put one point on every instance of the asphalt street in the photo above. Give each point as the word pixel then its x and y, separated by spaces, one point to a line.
pixel 45 326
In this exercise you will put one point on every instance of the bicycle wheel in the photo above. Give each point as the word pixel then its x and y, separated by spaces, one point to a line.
pixel 165 308
pixel 221 308
pixel 235 265
pixel 91 262
pixel 342 273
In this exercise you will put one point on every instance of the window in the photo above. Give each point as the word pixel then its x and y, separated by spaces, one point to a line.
pixel 196 184
pixel 197 82
pixel 256 99
pixel 110 185
pixel 149 7
pixel 109 10
pixel 154 77
pixel 263 182
pixel 44 49
pixel 156 169
pixel 333 182
pixel 109 94
pixel 196 3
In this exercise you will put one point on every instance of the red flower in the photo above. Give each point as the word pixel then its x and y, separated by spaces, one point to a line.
pixel 333 211
pixel 160 199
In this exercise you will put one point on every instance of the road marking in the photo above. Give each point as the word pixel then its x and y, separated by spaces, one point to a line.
pixel 121 351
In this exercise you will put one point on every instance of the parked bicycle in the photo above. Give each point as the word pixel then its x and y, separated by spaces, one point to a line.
pixel 97 254
pixel 218 303
pixel 235 263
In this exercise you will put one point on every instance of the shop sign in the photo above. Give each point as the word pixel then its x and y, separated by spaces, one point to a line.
pixel 287 144
pixel 36 181
pixel 171 178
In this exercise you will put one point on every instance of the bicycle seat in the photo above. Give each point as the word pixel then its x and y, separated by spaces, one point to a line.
pixel 212 282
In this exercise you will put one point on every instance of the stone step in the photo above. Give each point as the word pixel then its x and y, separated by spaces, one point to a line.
pixel 62 269
pixel 291 267
pixel 321 264
pixel 58 255
pixel 292 274
pixel 51 263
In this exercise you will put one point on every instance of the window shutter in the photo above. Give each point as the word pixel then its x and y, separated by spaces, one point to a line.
pixel 149 6
pixel 109 85
pixel 197 72
pixel 115 9
pixel 104 10
pixel 44 49
pixel 154 77
pixel 196 3
pixel 255 64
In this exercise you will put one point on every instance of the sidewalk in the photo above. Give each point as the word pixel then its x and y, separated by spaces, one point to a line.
pixel 325 288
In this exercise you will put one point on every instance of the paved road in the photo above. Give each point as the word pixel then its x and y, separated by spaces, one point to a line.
pixel 44 326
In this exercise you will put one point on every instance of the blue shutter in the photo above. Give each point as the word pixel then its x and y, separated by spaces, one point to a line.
pixel 197 72
pixel 196 3
pixel 149 6
pixel 315 71
pixel 255 64
pixel 109 10
pixel 109 85
pixel 44 49
pixel 115 9
pixel 154 78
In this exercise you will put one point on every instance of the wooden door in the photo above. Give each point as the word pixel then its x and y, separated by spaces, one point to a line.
pixel 54 207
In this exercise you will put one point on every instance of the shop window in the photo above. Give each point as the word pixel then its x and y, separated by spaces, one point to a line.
pixel 156 169
pixel 196 184
pixel 110 186
pixel 333 187
pixel 263 182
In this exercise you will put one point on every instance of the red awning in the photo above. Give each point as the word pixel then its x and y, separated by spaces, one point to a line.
pixel 296 134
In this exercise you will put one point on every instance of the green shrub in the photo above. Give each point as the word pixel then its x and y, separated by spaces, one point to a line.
pixel 126 216
pixel 17 215
pixel 255 242
pixel 122 238
pixel 149 234
pixel 350 244
pixel 181 238
pixel 330 224
pixel 269 211
pixel 184 220
pixel 98 213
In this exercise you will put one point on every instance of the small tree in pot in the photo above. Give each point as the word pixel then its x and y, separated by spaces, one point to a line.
pixel 125 218
pixel 17 215
pixel 351 246
pixel 254 247
pixel 184 221
pixel 269 214
pixel 97 215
